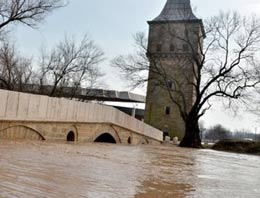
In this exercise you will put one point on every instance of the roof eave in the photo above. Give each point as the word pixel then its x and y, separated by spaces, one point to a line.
pixel 180 21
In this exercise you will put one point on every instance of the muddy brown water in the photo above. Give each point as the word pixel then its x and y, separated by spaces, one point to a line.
pixel 41 169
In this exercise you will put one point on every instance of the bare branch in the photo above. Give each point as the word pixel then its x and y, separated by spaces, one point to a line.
pixel 28 12
pixel 71 63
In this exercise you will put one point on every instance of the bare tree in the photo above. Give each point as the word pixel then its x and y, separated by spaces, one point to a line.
pixel 15 70
pixel 28 12
pixel 217 132
pixel 135 67
pixel 224 66
pixel 70 64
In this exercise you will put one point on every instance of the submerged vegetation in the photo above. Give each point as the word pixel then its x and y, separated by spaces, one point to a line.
pixel 238 146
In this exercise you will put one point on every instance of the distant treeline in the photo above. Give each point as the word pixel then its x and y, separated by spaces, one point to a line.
pixel 219 132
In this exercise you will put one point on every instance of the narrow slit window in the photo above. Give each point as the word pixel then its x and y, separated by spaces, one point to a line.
pixel 167 110
pixel 169 84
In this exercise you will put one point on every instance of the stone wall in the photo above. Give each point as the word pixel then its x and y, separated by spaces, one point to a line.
pixel 53 118
pixel 84 132
pixel 173 62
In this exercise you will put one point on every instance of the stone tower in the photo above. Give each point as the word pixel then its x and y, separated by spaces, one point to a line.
pixel 168 49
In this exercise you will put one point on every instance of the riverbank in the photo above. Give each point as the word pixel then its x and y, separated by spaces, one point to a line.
pixel 244 147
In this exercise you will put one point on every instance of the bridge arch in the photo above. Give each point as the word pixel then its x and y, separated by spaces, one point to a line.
pixel 106 134
pixel 20 132
pixel 71 136
pixel 105 138
pixel 129 140
pixel 144 141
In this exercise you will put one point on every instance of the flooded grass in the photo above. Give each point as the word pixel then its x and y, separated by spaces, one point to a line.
pixel 246 147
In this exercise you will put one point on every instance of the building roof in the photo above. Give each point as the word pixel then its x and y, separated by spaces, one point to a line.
pixel 86 94
pixel 176 10
pixel 111 95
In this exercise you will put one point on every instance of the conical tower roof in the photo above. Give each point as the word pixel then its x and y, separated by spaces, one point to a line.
pixel 176 10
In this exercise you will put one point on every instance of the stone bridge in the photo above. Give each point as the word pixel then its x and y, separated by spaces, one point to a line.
pixel 36 117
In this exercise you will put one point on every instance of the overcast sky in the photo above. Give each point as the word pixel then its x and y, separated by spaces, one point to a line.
pixel 111 23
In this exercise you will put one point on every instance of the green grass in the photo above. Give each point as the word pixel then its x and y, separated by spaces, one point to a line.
pixel 246 147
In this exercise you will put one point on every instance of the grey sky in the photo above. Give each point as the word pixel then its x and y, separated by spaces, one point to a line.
pixel 111 23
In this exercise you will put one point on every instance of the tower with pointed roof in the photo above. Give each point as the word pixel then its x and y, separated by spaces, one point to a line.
pixel 170 54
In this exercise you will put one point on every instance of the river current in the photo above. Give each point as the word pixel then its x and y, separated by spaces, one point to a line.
pixel 44 169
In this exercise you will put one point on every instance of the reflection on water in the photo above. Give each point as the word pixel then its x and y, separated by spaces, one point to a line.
pixel 40 169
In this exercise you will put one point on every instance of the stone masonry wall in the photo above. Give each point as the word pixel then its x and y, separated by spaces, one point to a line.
pixel 53 118
pixel 175 61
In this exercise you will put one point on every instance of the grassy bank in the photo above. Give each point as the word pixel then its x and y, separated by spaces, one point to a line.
pixel 246 147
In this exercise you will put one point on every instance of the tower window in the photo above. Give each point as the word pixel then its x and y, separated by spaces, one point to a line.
pixel 169 84
pixel 159 47
pixel 167 110
pixel 172 48
pixel 185 48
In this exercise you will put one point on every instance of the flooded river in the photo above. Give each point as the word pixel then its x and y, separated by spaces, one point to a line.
pixel 40 169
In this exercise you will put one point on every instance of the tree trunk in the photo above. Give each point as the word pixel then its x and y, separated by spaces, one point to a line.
pixel 192 137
